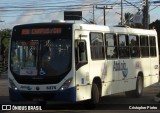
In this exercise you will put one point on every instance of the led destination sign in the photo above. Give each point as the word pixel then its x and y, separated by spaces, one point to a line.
pixel 39 31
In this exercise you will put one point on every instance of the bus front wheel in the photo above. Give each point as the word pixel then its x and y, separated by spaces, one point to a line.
pixel 95 94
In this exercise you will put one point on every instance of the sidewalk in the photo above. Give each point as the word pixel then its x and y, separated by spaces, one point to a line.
pixel 4 75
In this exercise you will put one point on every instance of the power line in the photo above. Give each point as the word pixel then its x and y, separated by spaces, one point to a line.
pixel 104 12
pixel 44 8
pixel 23 8
pixel 47 7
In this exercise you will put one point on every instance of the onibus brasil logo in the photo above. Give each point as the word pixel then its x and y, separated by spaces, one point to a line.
pixel 120 66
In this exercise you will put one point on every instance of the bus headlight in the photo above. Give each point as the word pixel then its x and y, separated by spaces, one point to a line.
pixel 66 84
pixel 12 84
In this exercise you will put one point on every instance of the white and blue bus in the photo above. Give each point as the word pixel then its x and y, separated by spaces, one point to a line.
pixel 77 62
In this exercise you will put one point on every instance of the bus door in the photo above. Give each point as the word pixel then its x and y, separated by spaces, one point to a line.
pixel 81 66
pixel 111 62
pixel 123 63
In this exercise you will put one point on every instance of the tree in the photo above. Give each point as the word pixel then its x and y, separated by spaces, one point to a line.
pixel 156 25
pixel 128 19
pixel 5 35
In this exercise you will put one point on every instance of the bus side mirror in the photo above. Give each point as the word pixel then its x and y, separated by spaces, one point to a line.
pixel 81 54
pixel 81 47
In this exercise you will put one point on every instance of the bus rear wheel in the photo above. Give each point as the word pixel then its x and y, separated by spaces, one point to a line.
pixel 139 89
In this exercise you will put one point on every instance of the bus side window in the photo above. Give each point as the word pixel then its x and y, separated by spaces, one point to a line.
pixel 123 46
pixel 152 41
pixel 97 46
pixel 144 46
pixel 134 46
pixel 111 46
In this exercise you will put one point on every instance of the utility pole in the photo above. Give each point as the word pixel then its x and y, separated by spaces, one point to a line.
pixel 104 12
pixel 145 14
pixel 121 12
pixel 93 15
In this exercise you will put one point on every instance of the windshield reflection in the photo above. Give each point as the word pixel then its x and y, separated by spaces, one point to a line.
pixel 41 57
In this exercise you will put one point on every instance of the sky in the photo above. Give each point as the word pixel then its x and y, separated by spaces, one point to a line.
pixel 15 12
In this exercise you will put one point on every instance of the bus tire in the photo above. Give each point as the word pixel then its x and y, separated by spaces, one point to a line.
pixel 95 94
pixel 139 87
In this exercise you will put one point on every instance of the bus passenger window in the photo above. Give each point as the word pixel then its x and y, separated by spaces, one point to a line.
pixel 123 46
pixel 152 40
pixel 97 46
pixel 144 46
pixel 111 46
pixel 134 46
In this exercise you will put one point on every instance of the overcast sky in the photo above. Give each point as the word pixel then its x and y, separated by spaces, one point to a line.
pixel 14 12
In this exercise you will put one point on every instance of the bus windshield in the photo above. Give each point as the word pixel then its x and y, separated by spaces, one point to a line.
pixel 49 57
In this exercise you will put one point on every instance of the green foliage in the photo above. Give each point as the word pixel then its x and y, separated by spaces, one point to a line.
pixel 5 35
pixel 156 25
pixel 128 18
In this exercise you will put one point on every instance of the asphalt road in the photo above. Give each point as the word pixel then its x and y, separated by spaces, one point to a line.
pixel 110 104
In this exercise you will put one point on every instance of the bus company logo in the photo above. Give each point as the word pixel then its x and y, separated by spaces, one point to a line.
pixel 6 107
pixel 120 66
pixel 21 108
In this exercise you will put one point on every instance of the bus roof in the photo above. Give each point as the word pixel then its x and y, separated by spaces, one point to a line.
pixel 42 24
pixel 93 27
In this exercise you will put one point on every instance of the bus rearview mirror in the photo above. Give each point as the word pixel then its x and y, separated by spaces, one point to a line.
pixel 81 46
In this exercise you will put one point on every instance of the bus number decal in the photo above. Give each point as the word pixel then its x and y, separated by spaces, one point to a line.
pixel 51 87
pixel 120 66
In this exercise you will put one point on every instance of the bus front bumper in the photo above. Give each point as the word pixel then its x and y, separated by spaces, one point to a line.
pixel 64 95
